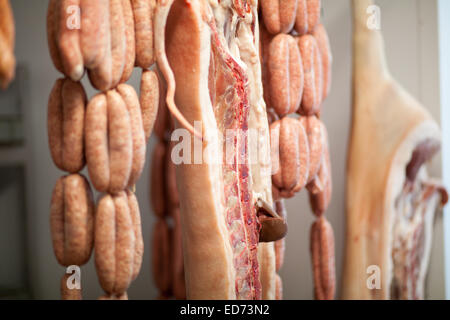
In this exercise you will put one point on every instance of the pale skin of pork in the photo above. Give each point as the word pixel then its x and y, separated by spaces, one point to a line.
pixel 388 124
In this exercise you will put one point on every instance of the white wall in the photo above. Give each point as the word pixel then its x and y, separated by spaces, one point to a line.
pixel 409 28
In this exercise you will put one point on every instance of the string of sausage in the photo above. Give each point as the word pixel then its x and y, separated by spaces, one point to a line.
pixel 167 254
pixel 296 78
pixel 108 134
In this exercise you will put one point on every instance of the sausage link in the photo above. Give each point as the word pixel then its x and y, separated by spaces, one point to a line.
pixel 78 219
pixel 157 184
pixel 57 208
pixel 125 244
pixel 137 228
pixel 322 253
pixel 114 243
pixel 69 294
pixel 7 63
pixel 65 124
pixel 93 39
pixel 301 18
pixel 131 100
pixel 286 75
pixel 315 131
pixel 312 67
pixel 120 142
pixel 326 57
pixel 105 243
pixel 320 189
pixel 149 98
pixel 96 139
pixel 74 105
pixel 307 17
pixel 293 161
pixel 7 38
pixel 162 275
pixel 55 123
pixel 101 75
pixel 279 15
pixel 72 220
pixel 7 23
pixel 143 11
pixel 302 156
pixel 313 8
pixel 109 145
pixel 118 40
pixel 130 54
pixel 69 39
pixel 53 13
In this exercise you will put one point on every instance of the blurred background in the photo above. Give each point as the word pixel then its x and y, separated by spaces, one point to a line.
pixel 28 268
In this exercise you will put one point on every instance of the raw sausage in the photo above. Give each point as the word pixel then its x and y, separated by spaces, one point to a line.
pixel 130 53
pixel 69 39
pixel 93 39
pixel 97 153
pixel 149 98
pixel 53 13
pixel 286 75
pixel 143 24
pixel 72 220
pixel 131 100
pixel 120 142
pixel 279 15
pixel 118 40
pixel 114 243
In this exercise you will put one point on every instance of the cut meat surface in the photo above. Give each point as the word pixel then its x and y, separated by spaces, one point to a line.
pixel 229 89
pixel 412 236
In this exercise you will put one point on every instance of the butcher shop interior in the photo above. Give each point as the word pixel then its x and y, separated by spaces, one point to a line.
pixel 224 150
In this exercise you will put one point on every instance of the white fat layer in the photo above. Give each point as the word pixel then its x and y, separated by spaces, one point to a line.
pixel 259 137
